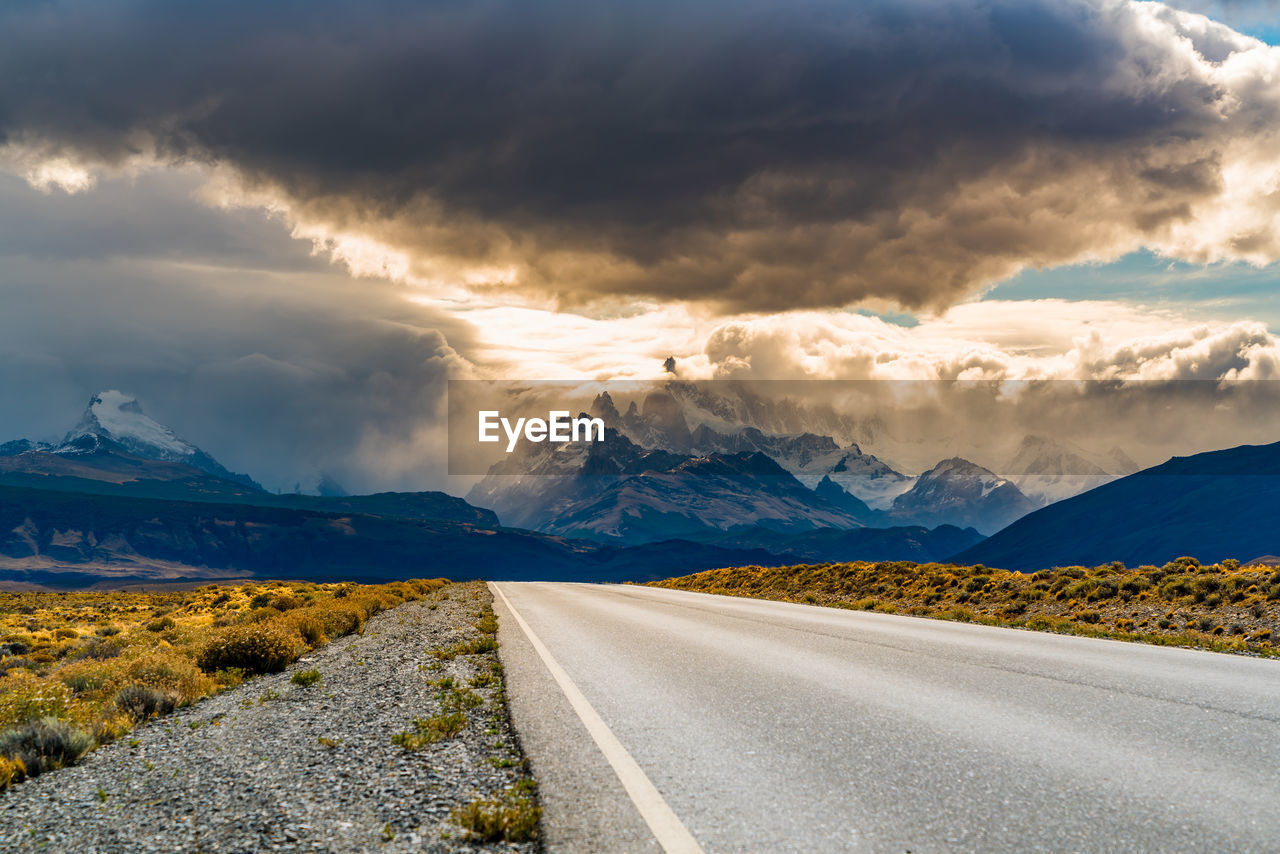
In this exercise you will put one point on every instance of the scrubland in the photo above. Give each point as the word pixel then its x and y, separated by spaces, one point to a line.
pixel 393 738
pixel 80 669
pixel 1224 607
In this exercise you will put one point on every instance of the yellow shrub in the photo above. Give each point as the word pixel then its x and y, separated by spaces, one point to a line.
pixel 170 671
pixel 339 617
pixel 10 770
pixel 265 647
pixel 24 697
pixel 308 626
pixel 89 677
pixel 111 727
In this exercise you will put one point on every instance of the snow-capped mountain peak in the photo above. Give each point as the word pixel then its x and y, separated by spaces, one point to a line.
pixel 1050 470
pixel 115 421
pixel 957 489
pixel 119 418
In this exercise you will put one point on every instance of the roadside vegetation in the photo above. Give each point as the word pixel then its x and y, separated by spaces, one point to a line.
pixel 81 669
pixel 469 696
pixel 1223 607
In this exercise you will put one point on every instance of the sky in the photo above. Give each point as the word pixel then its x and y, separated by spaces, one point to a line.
pixel 284 226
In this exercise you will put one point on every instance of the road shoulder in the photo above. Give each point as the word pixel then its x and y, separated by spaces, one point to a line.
pixel 585 807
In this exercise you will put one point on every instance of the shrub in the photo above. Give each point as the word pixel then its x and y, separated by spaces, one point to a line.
pixel 431 730
pixel 44 744
pixel 339 618
pixel 962 615
pixel 254 648
pixel 1088 616
pixel 1048 623
pixel 481 644
pixel 14 648
pixel 23 698
pixel 65 633
pixel 1177 585
pixel 100 650
pixel 309 628
pixel 257 615
pixel 161 624
pixel 171 672
pixel 306 678
pixel 141 701
pixel 10 770
pixel 85 677
pixel 284 602
pixel 453 700
pixel 510 819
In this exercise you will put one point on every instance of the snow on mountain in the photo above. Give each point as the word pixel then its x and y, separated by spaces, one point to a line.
pixel 1049 470
pixel 860 474
pixel 961 493
pixel 617 489
pixel 119 418
pixel 663 422
pixel 113 420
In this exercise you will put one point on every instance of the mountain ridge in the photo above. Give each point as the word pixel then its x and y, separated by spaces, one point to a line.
pixel 1210 506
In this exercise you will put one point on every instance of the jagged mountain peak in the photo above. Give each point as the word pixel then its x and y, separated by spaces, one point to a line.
pixel 604 407
pixel 957 488
pixel 115 421
pixel 114 416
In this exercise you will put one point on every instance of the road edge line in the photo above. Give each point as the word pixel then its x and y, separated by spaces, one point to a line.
pixel 666 826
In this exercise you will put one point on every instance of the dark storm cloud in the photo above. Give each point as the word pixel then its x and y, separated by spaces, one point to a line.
pixel 224 328
pixel 753 154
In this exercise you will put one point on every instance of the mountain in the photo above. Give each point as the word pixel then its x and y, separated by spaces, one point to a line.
pixel 114 421
pixel 836 495
pixel 958 492
pixel 123 497
pixel 863 475
pixel 1049 470
pixel 617 490
pixel 663 423
pixel 720 492
pixel 116 450
pixel 1211 506
pixel 76 540
pixel 113 472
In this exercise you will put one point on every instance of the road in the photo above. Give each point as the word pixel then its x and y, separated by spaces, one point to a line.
pixel 767 726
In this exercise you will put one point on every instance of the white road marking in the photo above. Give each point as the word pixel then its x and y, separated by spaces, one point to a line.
pixel 671 833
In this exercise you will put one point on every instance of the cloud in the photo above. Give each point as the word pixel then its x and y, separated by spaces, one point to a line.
pixel 225 329
pixel 995 341
pixel 751 156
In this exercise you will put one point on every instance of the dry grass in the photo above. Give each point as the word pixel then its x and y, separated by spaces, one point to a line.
pixel 511 818
pixel 95 664
pixel 1222 607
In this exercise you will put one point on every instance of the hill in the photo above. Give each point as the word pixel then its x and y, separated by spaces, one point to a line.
pixel 1211 506
pixel 76 539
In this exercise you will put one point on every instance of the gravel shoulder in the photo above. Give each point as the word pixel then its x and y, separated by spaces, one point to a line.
pixel 278 766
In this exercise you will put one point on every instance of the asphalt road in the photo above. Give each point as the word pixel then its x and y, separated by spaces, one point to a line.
pixel 767 726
